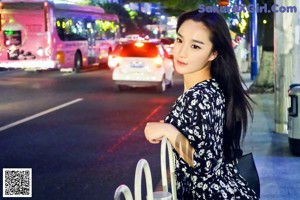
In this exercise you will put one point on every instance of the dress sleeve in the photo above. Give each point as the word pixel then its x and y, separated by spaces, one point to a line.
pixel 199 131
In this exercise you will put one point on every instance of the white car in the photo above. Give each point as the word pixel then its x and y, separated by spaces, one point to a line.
pixel 141 64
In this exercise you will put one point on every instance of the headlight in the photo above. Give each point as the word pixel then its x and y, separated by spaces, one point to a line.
pixel 40 51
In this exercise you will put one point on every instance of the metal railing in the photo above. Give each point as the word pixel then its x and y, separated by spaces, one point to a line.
pixel 166 145
pixel 123 189
pixel 143 166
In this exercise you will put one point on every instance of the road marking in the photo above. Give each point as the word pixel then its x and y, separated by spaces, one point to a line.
pixel 68 73
pixel 39 114
pixel 127 135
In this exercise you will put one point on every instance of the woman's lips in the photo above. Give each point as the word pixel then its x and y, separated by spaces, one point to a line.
pixel 181 63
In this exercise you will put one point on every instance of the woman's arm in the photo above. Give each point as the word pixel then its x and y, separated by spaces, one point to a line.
pixel 155 131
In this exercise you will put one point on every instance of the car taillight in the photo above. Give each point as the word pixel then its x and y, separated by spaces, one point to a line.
pixel 158 61
pixel 115 60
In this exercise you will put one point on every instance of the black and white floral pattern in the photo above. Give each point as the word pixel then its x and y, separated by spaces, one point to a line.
pixel 199 115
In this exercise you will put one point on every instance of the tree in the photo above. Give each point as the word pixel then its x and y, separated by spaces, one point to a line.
pixel 176 7
pixel 142 19
pixel 133 21
pixel 87 2
pixel 128 26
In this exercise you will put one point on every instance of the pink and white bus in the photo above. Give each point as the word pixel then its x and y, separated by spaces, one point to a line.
pixel 39 35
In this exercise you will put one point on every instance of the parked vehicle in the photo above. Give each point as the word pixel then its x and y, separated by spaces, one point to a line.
pixel 42 34
pixel 141 64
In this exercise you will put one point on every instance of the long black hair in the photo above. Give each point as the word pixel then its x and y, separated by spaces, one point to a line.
pixel 225 70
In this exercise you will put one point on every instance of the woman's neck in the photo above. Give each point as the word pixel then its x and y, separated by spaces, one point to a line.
pixel 196 77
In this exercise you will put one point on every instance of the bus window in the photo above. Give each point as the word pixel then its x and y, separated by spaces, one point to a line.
pixel 69 29
pixel 59 29
pixel 106 29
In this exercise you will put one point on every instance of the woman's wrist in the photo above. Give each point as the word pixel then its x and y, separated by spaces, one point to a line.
pixel 171 133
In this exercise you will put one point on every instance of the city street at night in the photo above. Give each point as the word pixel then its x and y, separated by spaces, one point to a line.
pixel 83 139
pixel 81 79
pixel 87 148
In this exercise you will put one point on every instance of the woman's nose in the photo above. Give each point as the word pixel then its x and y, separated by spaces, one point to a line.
pixel 182 51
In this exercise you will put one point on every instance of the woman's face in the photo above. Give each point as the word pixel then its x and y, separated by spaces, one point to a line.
pixel 193 48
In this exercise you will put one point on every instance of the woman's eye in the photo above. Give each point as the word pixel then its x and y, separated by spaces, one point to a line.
pixel 196 46
pixel 178 40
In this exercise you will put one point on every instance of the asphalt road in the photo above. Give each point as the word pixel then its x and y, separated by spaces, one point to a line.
pixel 80 137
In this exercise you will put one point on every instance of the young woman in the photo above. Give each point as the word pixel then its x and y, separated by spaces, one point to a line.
pixel 209 120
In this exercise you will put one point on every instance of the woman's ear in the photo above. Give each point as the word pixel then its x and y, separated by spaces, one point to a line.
pixel 213 55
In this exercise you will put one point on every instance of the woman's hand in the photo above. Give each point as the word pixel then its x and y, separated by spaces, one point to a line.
pixel 155 131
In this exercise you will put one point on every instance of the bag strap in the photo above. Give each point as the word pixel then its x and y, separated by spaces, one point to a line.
pixel 238 153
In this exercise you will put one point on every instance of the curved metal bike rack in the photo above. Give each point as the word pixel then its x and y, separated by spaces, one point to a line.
pixel 165 144
pixel 143 166
pixel 123 189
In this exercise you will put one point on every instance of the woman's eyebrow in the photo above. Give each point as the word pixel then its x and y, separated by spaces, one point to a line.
pixel 179 35
pixel 198 41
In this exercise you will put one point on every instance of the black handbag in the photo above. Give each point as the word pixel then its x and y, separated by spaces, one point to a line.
pixel 246 167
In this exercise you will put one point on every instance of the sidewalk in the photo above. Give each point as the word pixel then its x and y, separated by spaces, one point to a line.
pixel 278 169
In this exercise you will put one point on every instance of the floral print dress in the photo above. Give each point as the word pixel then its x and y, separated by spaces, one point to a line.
pixel 199 115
